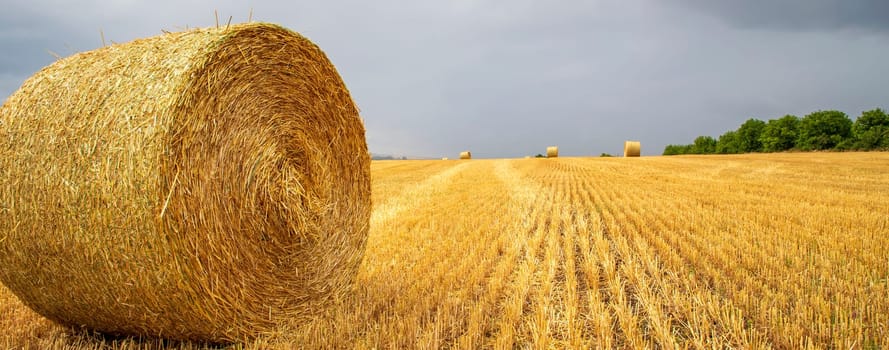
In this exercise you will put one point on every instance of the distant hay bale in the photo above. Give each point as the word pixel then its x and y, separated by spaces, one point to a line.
pixel 632 149
pixel 466 155
pixel 552 152
pixel 444 158
pixel 205 185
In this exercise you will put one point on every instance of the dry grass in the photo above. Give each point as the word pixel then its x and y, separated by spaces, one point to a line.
pixel 552 151
pixel 204 185
pixel 751 251
pixel 632 148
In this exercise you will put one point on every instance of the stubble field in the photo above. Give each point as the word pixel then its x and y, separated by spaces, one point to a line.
pixel 750 251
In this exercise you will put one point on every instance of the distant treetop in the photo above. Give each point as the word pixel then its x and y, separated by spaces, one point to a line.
pixel 820 130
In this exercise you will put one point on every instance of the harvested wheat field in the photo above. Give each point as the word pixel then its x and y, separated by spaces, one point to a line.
pixel 749 251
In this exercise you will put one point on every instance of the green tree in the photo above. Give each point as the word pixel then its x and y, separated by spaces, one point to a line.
pixel 672 150
pixel 780 134
pixel 728 143
pixel 823 130
pixel 748 135
pixel 871 130
pixel 704 145
pixel 875 138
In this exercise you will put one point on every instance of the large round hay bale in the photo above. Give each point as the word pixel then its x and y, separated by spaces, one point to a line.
pixel 552 152
pixel 205 185
pixel 466 155
pixel 632 149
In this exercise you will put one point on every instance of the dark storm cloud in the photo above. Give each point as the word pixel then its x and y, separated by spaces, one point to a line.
pixel 799 14
pixel 508 78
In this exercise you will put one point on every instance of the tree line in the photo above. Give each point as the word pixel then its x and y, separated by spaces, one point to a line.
pixel 821 130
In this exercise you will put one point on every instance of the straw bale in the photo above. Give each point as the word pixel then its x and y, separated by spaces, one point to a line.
pixel 466 155
pixel 552 152
pixel 204 185
pixel 632 149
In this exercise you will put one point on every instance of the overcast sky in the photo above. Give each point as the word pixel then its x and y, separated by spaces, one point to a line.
pixel 506 78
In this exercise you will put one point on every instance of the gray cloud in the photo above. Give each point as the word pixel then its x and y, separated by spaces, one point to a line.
pixel 508 78
pixel 798 14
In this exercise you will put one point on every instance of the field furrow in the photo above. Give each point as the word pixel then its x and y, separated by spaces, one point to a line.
pixel 747 251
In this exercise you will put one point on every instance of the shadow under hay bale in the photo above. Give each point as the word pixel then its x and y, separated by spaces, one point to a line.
pixel 204 185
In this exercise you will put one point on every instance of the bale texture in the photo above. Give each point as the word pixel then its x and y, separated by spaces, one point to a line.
pixel 552 152
pixel 632 149
pixel 466 155
pixel 205 185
